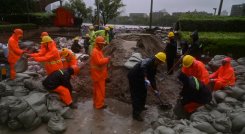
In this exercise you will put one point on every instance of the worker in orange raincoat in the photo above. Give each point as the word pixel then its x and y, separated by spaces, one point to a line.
pixel 193 67
pixel 14 51
pixel 51 58
pixel 69 58
pixel 224 76
pixel 42 49
pixel 59 82
pixel 98 65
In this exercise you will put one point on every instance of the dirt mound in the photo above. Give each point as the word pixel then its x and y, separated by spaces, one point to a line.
pixel 120 50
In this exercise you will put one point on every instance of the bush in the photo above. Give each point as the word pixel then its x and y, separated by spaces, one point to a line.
pixel 211 23
pixel 36 18
pixel 221 42
pixel 11 27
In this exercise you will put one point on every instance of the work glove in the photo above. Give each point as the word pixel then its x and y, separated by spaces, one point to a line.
pixel 147 83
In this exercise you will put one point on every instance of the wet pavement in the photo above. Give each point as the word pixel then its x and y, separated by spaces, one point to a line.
pixel 116 119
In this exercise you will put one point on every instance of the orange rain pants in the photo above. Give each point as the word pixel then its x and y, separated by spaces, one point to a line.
pixel 64 94
pixel 98 65
pixel 14 54
pixel 191 107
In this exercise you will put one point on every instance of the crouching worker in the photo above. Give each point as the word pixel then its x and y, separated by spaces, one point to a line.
pixel 193 95
pixel 59 82
pixel 141 77
pixel 224 76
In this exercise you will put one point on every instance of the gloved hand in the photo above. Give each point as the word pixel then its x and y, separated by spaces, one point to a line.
pixel 156 92
pixel 147 83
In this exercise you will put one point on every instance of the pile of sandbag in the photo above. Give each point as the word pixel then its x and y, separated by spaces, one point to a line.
pixel 25 103
pixel 225 115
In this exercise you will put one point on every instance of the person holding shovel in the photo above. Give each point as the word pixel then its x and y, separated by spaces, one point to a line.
pixel 14 51
pixel 141 77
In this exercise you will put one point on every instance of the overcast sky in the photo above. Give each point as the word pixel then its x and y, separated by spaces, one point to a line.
pixel 143 6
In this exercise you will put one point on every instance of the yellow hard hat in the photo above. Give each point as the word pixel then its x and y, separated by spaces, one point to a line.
pixel 171 34
pixel 64 52
pixel 188 61
pixel 107 28
pixel 161 56
pixel 46 39
pixel 111 26
pixel 76 38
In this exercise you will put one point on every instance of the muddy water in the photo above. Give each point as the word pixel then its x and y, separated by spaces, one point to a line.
pixel 116 119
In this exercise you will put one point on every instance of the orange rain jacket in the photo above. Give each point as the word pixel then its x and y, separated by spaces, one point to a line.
pixel 51 58
pixel 224 76
pixel 98 66
pixel 198 70
pixel 14 51
pixel 70 60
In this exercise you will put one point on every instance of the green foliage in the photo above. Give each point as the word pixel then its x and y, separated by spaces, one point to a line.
pixel 110 9
pixel 221 42
pixel 11 27
pixel 79 8
pixel 211 23
pixel 36 18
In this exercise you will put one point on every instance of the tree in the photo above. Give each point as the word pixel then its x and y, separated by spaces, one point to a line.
pixel 78 7
pixel 109 9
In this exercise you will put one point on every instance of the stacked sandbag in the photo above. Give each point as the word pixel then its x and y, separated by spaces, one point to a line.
pixel 25 103
pixel 225 114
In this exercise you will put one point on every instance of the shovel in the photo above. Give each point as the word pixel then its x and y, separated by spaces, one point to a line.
pixel 162 106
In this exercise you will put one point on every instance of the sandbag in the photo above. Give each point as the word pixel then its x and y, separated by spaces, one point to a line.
pixel 219 95
pixel 191 130
pixel 16 107
pixel 133 60
pixel 238 123
pixel 36 99
pixel 21 65
pixel 15 82
pixel 5 90
pixel 4 110
pixel 239 69
pixel 164 130
pixel 230 100
pixel 148 131
pixel 54 103
pixel 179 110
pixel 27 117
pixel 236 92
pixel 66 113
pixel 46 117
pixel 222 124
pixel 204 127
pixel 34 85
pixel 35 124
pixel 201 117
pixel 14 124
pixel 241 61
pixel 20 91
pixel 56 125
pixel 223 108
